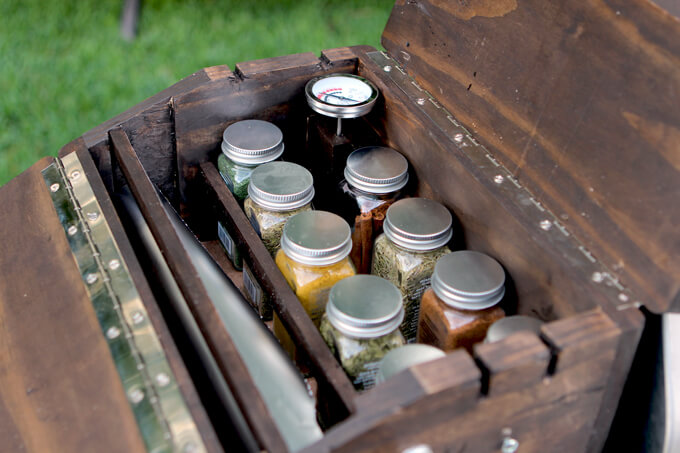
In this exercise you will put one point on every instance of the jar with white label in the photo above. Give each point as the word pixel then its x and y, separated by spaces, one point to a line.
pixel 277 191
pixel 313 257
pixel 415 235
pixel 361 325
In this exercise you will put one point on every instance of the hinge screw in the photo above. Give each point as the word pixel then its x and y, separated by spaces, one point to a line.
pixel 75 174
pixel 72 230
pixel 91 278
pixel 137 317
pixel 136 395
pixel 420 101
pixel 387 68
pixel 112 333
pixel 546 224
pixel 92 216
pixel 54 187
pixel 114 264
pixel 597 277
pixel 509 444
pixel 498 179
pixel 162 379
pixel 458 138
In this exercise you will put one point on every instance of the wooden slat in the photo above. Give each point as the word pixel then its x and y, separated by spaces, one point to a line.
pixel 218 339
pixel 584 112
pixel 59 388
pixel 286 304
pixel 177 365
pixel 269 67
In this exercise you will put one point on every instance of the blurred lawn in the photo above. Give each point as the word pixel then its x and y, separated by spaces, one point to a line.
pixel 64 67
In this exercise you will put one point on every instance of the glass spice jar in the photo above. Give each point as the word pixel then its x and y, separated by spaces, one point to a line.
pixel 416 231
pixel 277 191
pixel 245 145
pixel 461 305
pixel 505 327
pixel 361 325
pixel 313 257
pixel 374 177
pixel 397 360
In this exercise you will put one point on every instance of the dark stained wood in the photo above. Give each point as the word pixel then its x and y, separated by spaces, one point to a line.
pixel 287 306
pixel 59 388
pixel 582 112
pixel 219 341
pixel 520 360
pixel 172 354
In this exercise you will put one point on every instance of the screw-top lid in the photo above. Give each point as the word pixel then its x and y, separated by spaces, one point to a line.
pixel 365 306
pixel 505 327
pixel 281 186
pixel 376 169
pixel 468 280
pixel 316 238
pixel 418 224
pixel 399 359
pixel 252 142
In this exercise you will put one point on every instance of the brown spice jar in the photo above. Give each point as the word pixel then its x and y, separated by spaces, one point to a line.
pixel 449 328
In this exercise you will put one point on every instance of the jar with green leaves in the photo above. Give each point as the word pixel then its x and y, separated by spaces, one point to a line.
pixel 415 235
pixel 361 325
pixel 277 191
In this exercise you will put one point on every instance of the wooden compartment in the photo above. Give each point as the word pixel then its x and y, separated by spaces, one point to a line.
pixel 547 170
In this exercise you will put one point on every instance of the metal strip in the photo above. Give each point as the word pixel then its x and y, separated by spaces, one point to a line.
pixel 162 415
pixel 486 166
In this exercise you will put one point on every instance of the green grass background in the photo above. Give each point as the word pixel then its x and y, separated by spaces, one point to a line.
pixel 64 67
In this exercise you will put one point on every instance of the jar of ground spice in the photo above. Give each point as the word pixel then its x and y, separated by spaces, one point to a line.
pixel 313 257
pixel 374 178
pixel 361 325
pixel 416 231
pixel 245 145
pixel 462 303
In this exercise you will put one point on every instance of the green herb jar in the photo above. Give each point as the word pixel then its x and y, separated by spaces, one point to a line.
pixel 361 325
pixel 374 177
pixel 245 145
pixel 277 191
pixel 416 231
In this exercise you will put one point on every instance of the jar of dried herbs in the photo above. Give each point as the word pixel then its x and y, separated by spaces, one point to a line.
pixel 462 303
pixel 313 257
pixel 374 177
pixel 416 231
pixel 397 360
pixel 277 191
pixel 361 325
pixel 245 145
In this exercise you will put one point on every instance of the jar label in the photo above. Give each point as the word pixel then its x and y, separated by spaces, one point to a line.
pixel 255 294
pixel 409 327
pixel 228 181
pixel 254 223
pixel 229 245
pixel 366 377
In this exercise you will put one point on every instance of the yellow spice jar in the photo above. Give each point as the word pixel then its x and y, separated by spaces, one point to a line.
pixel 313 257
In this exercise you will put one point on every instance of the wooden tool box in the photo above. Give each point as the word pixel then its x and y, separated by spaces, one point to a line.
pixel 550 130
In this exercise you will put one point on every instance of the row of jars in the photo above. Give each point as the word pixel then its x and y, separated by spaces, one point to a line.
pixel 360 317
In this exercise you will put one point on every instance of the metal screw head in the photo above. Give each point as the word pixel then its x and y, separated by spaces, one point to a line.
pixel 136 395
pixel 112 332
pixel 114 264
pixel 597 277
pixel 91 278
pixel 162 379
pixel 498 179
pixel 137 317
pixel 189 447
pixel 75 174
pixel 72 230
pixel 420 101
pixel 54 187
pixel 509 445
pixel 546 224
pixel 387 68
pixel 458 137
pixel 623 297
pixel 92 216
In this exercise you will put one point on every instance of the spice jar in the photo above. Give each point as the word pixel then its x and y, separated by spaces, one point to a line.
pixel 277 191
pixel 461 305
pixel 397 360
pixel 361 325
pixel 505 327
pixel 416 231
pixel 374 177
pixel 313 257
pixel 245 145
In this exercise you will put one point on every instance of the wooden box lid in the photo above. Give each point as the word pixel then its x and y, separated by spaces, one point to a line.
pixel 581 102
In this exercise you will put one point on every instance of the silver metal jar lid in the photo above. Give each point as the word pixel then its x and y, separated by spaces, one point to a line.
pixel 252 142
pixel 418 224
pixel 316 238
pixel 468 280
pixel 399 359
pixel 281 186
pixel 376 169
pixel 505 327
pixel 365 306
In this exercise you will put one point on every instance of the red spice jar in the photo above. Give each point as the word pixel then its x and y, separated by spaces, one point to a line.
pixel 461 304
